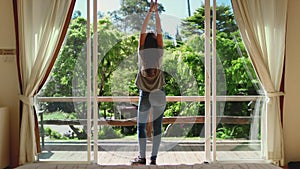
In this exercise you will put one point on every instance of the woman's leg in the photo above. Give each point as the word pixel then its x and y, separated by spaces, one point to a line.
pixel 158 103
pixel 143 113
pixel 157 130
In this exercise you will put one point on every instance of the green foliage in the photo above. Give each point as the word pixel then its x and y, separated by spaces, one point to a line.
pixel 47 131
pixel 235 73
pixel 69 70
pixel 173 109
pixel 108 132
pixel 114 50
pixel 233 131
pixel 53 134
pixel 182 73
pixel 196 43
pixel 69 74
pixel 59 115
pixel 195 24
pixel 130 16
pixel 183 66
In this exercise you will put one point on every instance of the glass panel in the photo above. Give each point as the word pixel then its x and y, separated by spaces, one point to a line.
pixel 63 133
pixel 62 101
pixel 183 138
pixel 239 116
pixel 118 66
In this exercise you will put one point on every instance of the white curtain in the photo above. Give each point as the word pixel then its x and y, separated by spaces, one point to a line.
pixel 262 24
pixel 41 27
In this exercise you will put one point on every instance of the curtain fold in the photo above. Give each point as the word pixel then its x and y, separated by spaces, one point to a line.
pixel 41 26
pixel 262 24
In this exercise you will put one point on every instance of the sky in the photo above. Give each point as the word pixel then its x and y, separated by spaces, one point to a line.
pixel 175 10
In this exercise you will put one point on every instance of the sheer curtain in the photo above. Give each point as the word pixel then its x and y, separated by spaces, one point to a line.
pixel 41 26
pixel 262 24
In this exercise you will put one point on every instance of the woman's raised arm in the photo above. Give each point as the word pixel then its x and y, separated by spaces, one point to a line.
pixel 158 26
pixel 145 24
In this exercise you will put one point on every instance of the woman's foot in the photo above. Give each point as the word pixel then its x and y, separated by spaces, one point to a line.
pixel 153 162
pixel 138 161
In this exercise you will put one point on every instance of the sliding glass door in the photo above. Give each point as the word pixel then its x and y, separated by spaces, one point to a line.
pixel 88 108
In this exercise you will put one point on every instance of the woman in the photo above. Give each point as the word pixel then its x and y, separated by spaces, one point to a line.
pixel 150 81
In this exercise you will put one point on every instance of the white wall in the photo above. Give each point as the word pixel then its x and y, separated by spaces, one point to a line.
pixel 291 116
pixel 8 76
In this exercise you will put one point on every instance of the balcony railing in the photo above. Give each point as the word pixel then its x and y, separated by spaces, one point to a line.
pixel 222 145
pixel 136 98
pixel 166 120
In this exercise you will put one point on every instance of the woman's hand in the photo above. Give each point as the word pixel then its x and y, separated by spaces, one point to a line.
pixel 153 6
